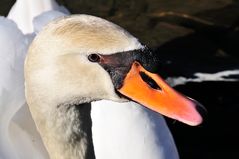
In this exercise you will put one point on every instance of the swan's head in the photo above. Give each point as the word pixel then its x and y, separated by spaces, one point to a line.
pixel 81 58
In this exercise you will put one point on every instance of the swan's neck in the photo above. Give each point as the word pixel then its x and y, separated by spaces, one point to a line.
pixel 67 132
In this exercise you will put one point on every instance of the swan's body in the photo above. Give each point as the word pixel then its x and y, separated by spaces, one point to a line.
pixel 19 138
pixel 17 128
pixel 145 133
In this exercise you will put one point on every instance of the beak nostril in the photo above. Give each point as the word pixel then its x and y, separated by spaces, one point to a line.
pixel 147 79
pixel 136 64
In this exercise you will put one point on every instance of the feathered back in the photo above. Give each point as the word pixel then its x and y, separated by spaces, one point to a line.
pixel 19 138
pixel 13 46
pixel 24 11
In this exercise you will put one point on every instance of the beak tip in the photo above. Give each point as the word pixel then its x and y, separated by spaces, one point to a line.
pixel 194 113
pixel 197 121
pixel 199 115
pixel 194 120
pixel 202 111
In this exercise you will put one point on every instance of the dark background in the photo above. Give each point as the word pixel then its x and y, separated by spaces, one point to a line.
pixel 196 36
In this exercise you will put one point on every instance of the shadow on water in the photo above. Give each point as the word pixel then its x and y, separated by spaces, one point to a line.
pixel 201 51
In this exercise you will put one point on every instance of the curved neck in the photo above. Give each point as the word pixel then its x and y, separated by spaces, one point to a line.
pixel 67 132
pixel 84 111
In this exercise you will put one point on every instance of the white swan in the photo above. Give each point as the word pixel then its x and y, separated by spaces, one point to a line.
pixel 120 130
pixel 80 59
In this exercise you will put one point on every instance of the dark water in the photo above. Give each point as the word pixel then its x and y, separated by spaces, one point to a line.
pixel 208 44
pixel 217 137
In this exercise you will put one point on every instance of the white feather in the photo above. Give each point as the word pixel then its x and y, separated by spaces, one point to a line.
pixel 128 130
pixel 19 138
pixel 24 11
pixel 14 47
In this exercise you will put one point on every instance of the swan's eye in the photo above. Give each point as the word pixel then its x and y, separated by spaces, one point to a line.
pixel 94 58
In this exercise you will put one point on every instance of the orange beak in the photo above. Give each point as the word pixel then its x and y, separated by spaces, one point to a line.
pixel 157 95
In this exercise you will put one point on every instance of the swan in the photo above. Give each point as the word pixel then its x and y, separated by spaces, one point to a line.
pixel 117 128
pixel 81 58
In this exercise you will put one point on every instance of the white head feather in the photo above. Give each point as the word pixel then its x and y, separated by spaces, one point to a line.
pixel 57 68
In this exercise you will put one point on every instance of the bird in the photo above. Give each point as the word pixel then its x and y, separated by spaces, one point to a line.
pixel 81 58
pixel 119 130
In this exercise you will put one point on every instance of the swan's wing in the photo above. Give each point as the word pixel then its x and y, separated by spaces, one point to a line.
pixel 128 130
pixel 19 138
pixel 24 11
pixel 11 70
pixel 13 131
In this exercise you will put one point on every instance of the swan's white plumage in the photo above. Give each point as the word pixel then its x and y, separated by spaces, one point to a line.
pixel 19 138
pixel 13 46
pixel 128 130
pixel 13 130
pixel 24 11
pixel 40 21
